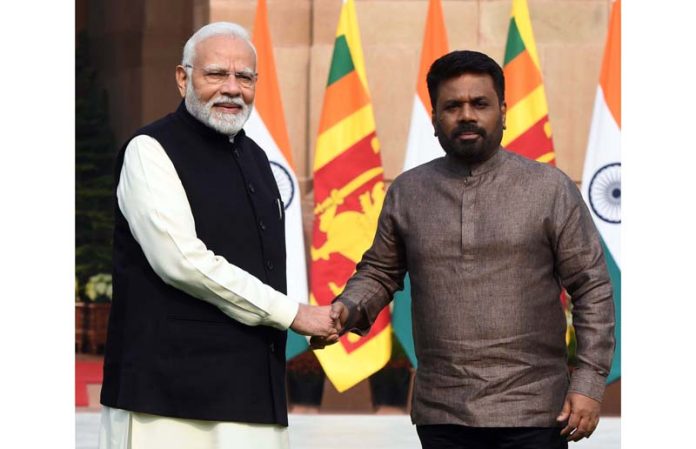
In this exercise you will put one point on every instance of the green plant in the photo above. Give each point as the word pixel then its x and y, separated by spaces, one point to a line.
pixel 571 341
pixel 94 156
pixel 99 288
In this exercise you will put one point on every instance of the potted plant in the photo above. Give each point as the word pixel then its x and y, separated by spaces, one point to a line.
pixel 305 380
pixel 95 148
pixel 80 319
pixel 571 342
pixel 98 290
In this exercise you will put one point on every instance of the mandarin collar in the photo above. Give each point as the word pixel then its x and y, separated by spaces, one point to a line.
pixel 455 166
pixel 201 127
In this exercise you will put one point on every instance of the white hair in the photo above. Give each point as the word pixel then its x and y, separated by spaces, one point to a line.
pixel 210 30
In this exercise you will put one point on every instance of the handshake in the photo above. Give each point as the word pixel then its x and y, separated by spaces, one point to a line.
pixel 324 323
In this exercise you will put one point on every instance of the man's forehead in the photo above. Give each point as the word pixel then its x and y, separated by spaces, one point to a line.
pixel 225 49
pixel 473 84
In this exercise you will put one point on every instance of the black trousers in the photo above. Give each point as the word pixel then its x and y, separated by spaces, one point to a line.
pixel 450 436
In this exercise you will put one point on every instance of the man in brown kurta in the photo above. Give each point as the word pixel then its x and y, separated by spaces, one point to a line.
pixel 489 238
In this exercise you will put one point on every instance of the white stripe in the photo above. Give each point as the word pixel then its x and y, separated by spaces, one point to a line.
pixel 603 148
pixel 422 145
pixel 294 239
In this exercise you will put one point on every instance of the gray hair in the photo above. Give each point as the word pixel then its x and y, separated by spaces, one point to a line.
pixel 210 30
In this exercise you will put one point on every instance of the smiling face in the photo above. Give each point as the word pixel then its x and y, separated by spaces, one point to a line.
pixel 214 98
pixel 468 117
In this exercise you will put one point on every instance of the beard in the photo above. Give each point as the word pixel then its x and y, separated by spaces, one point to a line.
pixel 471 152
pixel 222 122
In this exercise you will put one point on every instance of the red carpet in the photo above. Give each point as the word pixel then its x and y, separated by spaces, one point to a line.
pixel 86 372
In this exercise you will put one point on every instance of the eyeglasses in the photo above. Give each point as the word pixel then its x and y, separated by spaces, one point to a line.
pixel 215 76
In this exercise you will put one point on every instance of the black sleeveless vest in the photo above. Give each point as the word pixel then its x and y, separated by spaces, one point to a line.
pixel 170 354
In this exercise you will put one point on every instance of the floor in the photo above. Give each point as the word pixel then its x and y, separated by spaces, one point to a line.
pixel 310 431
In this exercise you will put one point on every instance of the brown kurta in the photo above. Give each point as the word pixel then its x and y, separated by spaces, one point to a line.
pixel 487 255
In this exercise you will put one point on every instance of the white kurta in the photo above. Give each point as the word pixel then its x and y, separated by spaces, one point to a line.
pixel 153 201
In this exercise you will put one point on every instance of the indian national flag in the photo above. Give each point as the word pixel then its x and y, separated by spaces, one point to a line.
pixel 528 129
pixel 348 197
pixel 266 126
pixel 422 147
pixel 601 180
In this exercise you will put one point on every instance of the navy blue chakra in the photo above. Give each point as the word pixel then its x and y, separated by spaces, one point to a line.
pixel 284 181
pixel 605 193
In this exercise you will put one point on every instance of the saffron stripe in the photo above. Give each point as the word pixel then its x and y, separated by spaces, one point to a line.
pixel 610 77
pixel 341 99
pixel 434 45
pixel 521 78
pixel 524 114
pixel 343 135
pixel 268 102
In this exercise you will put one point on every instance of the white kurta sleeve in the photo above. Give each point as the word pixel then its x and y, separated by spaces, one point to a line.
pixel 153 201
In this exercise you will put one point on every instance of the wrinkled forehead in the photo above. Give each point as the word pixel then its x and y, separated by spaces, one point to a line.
pixel 226 52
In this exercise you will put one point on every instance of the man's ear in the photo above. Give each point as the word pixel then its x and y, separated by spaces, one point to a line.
pixel 181 78
pixel 433 120
pixel 503 111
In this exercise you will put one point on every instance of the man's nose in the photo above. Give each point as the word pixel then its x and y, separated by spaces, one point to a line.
pixel 467 114
pixel 231 86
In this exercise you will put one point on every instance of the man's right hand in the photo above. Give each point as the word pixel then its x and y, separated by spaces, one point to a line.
pixel 339 313
pixel 315 320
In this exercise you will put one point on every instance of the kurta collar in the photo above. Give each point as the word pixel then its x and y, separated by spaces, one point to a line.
pixel 202 128
pixel 455 166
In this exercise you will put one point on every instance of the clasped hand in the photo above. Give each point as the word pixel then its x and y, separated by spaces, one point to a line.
pixel 323 323
pixel 339 313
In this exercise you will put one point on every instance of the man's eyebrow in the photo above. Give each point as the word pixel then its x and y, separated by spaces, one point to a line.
pixel 214 67
pixel 246 70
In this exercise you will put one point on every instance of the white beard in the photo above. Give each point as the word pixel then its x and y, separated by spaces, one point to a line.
pixel 224 123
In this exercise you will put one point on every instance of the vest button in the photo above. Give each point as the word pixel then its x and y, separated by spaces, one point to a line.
pixel 251 188
pixel 272 347
pixel 269 264
pixel 262 225
pixel 236 153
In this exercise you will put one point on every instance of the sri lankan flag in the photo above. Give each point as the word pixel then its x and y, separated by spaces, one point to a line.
pixel 528 129
pixel 348 196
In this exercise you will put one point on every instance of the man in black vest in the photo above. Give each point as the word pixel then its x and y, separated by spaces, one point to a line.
pixel 195 354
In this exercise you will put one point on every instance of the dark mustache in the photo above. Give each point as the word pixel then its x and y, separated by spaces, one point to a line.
pixel 468 128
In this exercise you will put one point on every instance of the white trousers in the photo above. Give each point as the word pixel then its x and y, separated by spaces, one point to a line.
pixel 121 429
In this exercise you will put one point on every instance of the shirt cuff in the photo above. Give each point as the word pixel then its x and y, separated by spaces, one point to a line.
pixel 354 315
pixel 587 383
pixel 282 312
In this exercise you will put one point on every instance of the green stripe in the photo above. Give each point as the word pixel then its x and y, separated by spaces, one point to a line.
pixel 341 62
pixel 401 321
pixel 297 344
pixel 615 276
pixel 515 44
